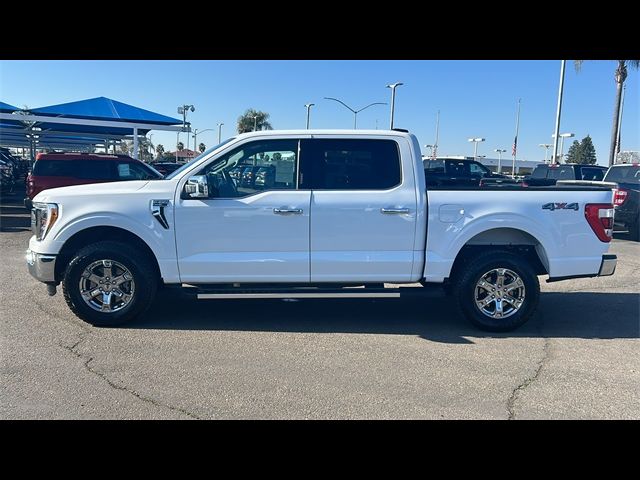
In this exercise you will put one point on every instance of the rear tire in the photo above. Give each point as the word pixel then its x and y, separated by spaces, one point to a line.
pixel 492 304
pixel 118 284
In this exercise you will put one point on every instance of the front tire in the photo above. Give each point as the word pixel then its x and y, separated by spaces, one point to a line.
pixel 106 284
pixel 497 291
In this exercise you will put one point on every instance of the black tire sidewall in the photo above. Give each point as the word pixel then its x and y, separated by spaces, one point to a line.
pixel 145 283
pixel 466 291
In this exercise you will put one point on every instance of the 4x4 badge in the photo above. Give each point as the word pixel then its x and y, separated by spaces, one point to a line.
pixel 561 206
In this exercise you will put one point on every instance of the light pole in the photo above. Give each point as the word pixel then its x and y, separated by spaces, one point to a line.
pixel 475 147
pixel 500 152
pixel 220 132
pixel 183 110
pixel 195 136
pixel 308 107
pixel 355 112
pixel 562 137
pixel 255 123
pixel 393 87
pixel 546 147
pixel 558 112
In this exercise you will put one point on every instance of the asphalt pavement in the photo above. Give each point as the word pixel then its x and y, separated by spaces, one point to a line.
pixel 318 359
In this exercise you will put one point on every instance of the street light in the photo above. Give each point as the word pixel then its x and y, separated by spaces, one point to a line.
pixel 308 107
pixel 500 152
pixel 393 87
pixel 255 123
pixel 183 111
pixel 562 137
pixel 355 112
pixel 195 136
pixel 546 147
pixel 220 132
pixel 475 147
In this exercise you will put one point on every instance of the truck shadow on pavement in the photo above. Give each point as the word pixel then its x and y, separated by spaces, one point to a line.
pixel 568 315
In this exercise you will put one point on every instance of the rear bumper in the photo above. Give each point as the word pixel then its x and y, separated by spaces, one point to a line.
pixel 41 267
pixel 607 267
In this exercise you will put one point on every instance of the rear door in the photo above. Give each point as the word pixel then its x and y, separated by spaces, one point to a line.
pixel 363 210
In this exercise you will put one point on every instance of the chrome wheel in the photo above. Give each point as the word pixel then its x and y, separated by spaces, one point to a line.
pixel 499 293
pixel 107 286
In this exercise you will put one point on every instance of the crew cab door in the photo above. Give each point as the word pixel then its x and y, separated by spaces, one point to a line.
pixel 254 226
pixel 363 209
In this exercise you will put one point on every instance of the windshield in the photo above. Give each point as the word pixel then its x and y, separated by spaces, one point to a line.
pixel 188 164
pixel 626 174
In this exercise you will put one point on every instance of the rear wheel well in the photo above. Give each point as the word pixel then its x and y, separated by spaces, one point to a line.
pixel 505 239
pixel 97 234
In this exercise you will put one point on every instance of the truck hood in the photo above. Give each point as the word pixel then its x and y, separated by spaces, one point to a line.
pixel 90 190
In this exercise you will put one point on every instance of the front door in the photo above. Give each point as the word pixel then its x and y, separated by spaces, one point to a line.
pixel 363 210
pixel 254 227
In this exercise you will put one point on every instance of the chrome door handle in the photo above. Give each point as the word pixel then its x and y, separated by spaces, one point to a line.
pixel 287 211
pixel 394 211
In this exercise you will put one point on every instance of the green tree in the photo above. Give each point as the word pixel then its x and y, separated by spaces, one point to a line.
pixel 125 147
pixel 202 147
pixel 253 118
pixel 159 151
pixel 620 77
pixel 575 150
pixel 587 151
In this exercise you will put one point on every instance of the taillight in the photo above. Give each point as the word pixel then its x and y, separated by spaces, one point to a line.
pixel 619 196
pixel 600 218
pixel 30 187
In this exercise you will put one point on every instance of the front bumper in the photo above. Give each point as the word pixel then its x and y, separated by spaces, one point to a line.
pixel 42 267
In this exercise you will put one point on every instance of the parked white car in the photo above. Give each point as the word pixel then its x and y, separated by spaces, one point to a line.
pixel 346 209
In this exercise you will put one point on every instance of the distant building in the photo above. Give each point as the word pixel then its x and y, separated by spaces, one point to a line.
pixel 184 155
pixel 523 167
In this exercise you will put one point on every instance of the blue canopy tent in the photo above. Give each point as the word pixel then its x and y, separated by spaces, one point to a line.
pixel 86 123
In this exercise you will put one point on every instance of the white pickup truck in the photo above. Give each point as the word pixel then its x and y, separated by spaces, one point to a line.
pixel 315 214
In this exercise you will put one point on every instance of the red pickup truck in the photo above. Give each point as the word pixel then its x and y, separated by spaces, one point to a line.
pixel 52 170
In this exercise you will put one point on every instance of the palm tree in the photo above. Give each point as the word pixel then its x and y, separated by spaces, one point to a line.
pixel 180 146
pixel 159 150
pixel 253 118
pixel 620 77
pixel 202 147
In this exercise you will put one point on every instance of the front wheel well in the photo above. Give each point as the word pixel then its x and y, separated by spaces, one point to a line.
pixel 96 234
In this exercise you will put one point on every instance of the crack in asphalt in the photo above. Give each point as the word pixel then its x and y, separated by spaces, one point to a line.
pixel 515 394
pixel 73 349
pixel 86 331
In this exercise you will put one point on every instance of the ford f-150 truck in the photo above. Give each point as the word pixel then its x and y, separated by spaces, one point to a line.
pixel 345 213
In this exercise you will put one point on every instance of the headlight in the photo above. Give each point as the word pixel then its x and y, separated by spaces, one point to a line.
pixel 43 216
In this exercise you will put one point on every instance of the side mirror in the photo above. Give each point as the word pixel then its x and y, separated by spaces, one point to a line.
pixel 196 187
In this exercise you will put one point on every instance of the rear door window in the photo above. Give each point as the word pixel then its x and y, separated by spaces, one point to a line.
pixel 352 164
pixel 93 169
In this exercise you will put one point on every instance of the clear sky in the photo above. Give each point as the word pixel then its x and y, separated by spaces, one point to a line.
pixel 476 98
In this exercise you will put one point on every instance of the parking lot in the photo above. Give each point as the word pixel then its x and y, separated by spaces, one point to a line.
pixel 318 359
